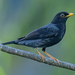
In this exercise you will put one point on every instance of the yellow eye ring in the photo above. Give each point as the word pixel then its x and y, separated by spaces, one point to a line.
pixel 62 15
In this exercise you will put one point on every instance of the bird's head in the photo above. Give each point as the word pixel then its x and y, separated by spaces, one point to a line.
pixel 61 17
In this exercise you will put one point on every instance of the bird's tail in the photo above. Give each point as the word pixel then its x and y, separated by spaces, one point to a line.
pixel 10 42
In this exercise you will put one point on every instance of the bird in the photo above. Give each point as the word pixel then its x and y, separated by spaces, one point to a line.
pixel 45 36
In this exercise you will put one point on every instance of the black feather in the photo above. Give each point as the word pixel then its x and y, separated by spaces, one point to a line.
pixel 45 31
pixel 10 42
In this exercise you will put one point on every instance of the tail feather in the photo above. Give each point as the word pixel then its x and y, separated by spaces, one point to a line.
pixel 10 42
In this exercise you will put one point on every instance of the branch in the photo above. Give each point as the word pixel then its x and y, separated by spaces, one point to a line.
pixel 36 57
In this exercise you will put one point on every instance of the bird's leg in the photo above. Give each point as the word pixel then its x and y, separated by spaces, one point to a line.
pixel 43 57
pixel 50 55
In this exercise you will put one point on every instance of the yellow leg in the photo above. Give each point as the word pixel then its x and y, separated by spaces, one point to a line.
pixel 43 57
pixel 51 57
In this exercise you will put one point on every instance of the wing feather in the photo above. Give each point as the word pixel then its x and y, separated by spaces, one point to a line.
pixel 46 31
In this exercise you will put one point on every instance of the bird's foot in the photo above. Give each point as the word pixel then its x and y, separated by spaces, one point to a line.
pixel 55 59
pixel 51 57
pixel 42 56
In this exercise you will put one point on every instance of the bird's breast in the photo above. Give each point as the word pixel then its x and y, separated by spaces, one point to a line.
pixel 62 30
pixel 58 38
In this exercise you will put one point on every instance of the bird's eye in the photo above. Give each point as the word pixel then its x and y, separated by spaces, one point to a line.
pixel 62 15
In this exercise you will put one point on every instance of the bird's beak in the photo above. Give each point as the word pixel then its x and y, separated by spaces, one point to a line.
pixel 70 14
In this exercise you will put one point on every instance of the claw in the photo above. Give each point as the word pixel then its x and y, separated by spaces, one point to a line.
pixel 42 56
pixel 51 57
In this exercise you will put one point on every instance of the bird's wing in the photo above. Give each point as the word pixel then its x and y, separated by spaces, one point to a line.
pixel 46 31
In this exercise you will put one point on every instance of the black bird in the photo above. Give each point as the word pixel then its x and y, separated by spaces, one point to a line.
pixel 45 36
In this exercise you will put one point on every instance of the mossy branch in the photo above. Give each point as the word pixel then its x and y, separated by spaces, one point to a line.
pixel 36 57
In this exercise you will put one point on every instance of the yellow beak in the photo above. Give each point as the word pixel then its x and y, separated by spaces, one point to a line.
pixel 70 14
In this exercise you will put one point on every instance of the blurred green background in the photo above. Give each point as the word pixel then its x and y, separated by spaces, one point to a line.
pixel 19 17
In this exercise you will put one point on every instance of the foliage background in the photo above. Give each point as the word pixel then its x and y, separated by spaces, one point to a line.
pixel 19 17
